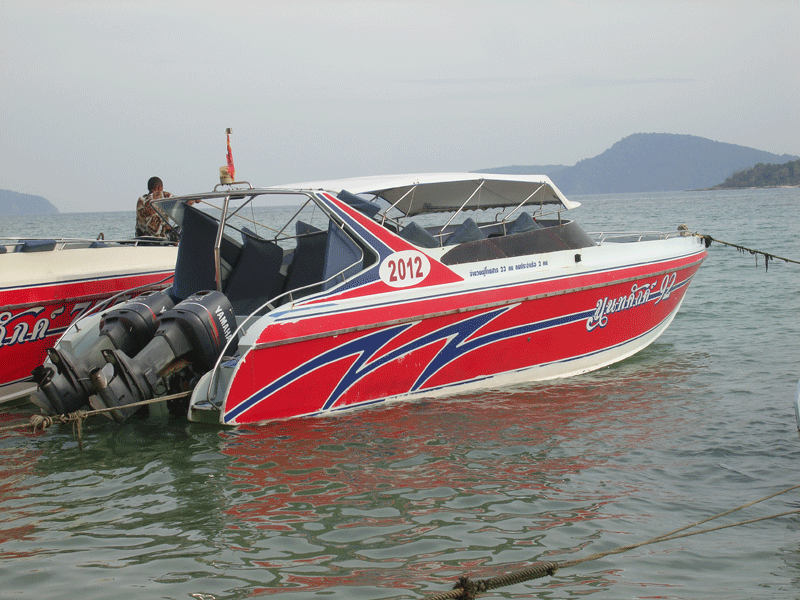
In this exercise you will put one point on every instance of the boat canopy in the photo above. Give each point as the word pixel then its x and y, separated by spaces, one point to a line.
pixel 446 192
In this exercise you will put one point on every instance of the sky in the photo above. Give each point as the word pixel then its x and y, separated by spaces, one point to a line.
pixel 96 97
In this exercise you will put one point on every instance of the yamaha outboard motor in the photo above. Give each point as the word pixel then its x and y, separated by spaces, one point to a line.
pixel 189 340
pixel 128 327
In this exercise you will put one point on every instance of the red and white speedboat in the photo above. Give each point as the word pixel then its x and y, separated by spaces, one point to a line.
pixel 45 284
pixel 364 296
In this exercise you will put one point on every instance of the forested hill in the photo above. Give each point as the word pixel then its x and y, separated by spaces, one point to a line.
pixel 653 162
pixel 16 203
pixel 787 174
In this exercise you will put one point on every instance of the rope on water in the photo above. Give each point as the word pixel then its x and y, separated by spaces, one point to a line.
pixel 767 256
pixel 468 589
pixel 42 422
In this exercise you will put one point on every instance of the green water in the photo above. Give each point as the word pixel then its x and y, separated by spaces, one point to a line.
pixel 398 501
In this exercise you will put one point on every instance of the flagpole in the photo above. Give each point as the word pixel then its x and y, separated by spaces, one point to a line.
pixel 227 174
pixel 231 168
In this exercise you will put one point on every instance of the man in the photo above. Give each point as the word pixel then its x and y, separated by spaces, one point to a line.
pixel 148 222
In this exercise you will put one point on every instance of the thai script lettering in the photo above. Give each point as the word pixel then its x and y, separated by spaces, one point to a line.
pixel 24 326
pixel 15 329
pixel 531 264
pixel 639 294
pixel 666 287
pixel 484 271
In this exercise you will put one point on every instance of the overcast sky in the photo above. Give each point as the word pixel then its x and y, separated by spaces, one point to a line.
pixel 95 97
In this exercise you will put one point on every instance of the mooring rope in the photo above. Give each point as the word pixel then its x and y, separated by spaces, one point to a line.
pixel 468 589
pixel 42 422
pixel 767 256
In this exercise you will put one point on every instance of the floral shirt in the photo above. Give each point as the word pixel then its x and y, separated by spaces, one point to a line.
pixel 148 221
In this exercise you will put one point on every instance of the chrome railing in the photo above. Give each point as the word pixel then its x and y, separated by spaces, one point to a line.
pixel 630 236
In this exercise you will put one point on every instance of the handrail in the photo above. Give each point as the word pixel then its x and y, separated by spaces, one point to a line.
pixel 230 189
pixel 218 244
pixel 603 236
pixel 66 243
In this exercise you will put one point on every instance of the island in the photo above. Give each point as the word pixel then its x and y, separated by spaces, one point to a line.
pixel 764 175
pixel 17 203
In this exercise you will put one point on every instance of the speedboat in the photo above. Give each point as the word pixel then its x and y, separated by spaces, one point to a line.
pixel 46 284
pixel 374 290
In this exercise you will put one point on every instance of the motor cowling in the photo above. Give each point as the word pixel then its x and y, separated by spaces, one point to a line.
pixel 191 336
pixel 127 327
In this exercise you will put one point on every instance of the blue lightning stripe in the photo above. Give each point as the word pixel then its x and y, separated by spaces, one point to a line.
pixel 366 347
pixel 455 333
pixel 458 345
pixel 363 348
pixel 483 377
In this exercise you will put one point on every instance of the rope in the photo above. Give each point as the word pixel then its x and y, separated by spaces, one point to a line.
pixel 42 422
pixel 767 256
pixel 468 589
pixel 20 425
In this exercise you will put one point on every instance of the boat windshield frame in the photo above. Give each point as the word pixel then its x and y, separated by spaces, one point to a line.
pixel 248 195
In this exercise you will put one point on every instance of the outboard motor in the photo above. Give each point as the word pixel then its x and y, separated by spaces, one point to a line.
pixel 189 340
pixel 128 327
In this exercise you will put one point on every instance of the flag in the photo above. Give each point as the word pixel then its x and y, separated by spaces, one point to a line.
pixel 231 170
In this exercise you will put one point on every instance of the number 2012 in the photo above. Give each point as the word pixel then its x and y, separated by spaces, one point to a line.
pixel 405 268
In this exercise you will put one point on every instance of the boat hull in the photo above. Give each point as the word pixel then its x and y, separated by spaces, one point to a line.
pixel 553 326
pixel 43 293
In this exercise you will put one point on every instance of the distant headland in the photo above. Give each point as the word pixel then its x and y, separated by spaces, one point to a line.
pixel 654 162
pixel 16 203
pixel 769 175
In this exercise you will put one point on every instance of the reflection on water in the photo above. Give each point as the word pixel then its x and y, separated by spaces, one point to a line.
pixel 483 483
pixel 403 497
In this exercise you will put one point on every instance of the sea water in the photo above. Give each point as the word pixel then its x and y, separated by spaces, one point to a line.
pixel 397 501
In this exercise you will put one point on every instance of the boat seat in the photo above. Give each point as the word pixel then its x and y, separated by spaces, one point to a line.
pixel 342 255
pixel 194 267
pixel 524 222
pixel 256 278
pixel 308 263
pixel 468 231
pixel 418 235
pixel 36 246
pixel 493 230
pixel 247 232
pixel 3 249
pixel 363 206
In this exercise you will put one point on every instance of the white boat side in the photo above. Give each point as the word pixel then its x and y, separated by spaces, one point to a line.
pixel 23 269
